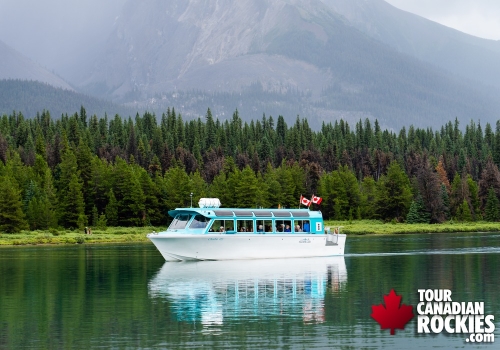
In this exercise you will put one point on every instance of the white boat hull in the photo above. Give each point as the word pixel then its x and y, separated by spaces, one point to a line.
pixel 179 247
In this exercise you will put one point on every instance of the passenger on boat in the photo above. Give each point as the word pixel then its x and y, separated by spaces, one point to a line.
pixel 260 229
pixel 243 229
pixel 221 229
pixel 297 228
pixel 287 228
pixel 306 226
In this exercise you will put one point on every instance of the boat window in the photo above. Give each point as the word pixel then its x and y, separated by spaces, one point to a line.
pixel 301 226
pixel 244 225
pixel 264 226
pixel 180 221
pixel 223 212
pixel 300 214
pixel 283 226
pixel 222 226
pixel 281 214
pixel 199 221
pixel 262 213
pixel 243 213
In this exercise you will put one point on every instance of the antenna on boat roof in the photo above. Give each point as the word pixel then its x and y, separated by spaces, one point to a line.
pixel 191 195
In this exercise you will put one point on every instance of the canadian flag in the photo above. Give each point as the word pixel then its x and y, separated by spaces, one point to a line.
pixel 304 201
pixel 316 200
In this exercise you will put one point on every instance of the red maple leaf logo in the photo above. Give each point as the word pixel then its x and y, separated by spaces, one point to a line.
pixel 392 315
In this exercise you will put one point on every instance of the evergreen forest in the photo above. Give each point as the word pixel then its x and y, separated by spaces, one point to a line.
pixel 80 170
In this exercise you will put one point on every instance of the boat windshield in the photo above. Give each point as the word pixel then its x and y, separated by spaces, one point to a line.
pixel 199 221
pixel 180 221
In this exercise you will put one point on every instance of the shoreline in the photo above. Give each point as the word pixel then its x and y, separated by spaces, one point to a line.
pixel 371 227
pixel 138 234
pixel 68 237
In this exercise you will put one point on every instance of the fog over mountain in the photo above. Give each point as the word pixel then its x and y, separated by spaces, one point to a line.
pixel 13 65
pixel 60 35
pixel 320 59
pixel 471 57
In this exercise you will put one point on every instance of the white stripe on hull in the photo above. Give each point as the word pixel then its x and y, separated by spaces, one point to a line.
pixel 178 247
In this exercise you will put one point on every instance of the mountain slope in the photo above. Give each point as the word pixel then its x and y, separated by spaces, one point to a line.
pixel 13 65
pixel 462 54
pixel 30 97
pixel 186 44
pixel 290 47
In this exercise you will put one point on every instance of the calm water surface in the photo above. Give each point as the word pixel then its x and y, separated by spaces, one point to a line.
pixel 127 297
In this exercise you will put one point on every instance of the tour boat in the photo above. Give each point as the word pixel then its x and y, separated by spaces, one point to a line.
pixel 213 233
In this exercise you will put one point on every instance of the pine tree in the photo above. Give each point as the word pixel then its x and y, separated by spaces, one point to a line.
pixel 11 213
pixel 84 165
pixel 102 222
pixel 287 198
pixel 491 210
pixel 474 198
pixel 337 210
pixel 176 186
pixel 112 209
pixel 446 202
pixel 464 212
pixel 273 191
pixel 72 206
pixel 442 174
pixel 457 194
pixel 393 193
pixel 246 189
pixel 210 140
pixel 219 188
pixel 367 198
pixel 129 194
pixel 151 194
pixel 95 216
pixel 417 213
pixel 39 214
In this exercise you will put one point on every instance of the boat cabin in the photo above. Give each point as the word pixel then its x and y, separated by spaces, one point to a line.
pixel 245 221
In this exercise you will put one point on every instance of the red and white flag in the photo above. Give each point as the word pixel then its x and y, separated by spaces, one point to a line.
pixel 316 200
pixel 304 201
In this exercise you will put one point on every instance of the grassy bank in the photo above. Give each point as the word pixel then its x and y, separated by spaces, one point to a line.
pixel 138 234
pixel 363 227
pixel 109 235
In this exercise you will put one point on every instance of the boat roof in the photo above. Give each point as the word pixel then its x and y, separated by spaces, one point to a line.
pixel 248 212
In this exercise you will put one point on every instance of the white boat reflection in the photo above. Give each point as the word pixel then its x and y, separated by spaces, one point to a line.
pixel 216 291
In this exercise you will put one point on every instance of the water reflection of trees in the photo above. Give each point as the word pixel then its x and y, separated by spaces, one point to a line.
pixel 91 296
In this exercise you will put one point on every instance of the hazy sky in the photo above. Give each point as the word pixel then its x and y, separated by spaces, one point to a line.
pixel 477 17
pixel 48 31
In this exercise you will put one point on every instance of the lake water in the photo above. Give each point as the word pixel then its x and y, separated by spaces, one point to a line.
pixel 127 297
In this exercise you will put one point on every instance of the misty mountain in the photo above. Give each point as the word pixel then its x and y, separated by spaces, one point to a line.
pixel 309 54
pixel 14 65
pixel 320 59
pixel 30 97
pixel 462 54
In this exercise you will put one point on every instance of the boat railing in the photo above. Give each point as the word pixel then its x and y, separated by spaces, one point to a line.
pixel 332 237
